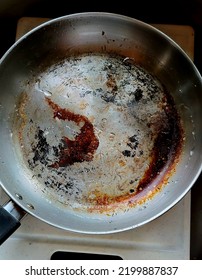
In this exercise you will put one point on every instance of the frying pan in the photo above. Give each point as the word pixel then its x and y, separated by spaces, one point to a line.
pixel 100 124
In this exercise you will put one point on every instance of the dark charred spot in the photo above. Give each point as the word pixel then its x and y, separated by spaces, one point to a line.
pixel 126 153
pixel 133 141
pixel 41 150
pixel 132 144
pixel 138 94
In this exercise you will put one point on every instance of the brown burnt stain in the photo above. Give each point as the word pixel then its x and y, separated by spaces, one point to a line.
pixel 167 150
pixel 122 163
pixel 103 203
pixel 167 147
pixel 83 147
pixel 111 83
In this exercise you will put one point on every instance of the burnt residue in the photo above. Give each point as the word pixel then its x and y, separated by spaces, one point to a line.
pixel 110 94
pixel 143 78
pixel 66 186
pixel 167 145
pixel 115 85
pixel 138 94
pixel 83 147
pixel 111 83
pixel 126 153
pixel 40 149
pixel 166 149
pixel 132 144
pixel 67 151
pixel 148 134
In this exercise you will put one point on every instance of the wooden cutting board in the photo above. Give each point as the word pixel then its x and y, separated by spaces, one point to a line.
pixel 183 35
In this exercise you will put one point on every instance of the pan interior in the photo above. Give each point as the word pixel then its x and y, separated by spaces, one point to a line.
pixel 97 133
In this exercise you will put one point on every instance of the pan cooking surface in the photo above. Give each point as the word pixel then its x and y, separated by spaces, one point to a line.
pixel 97 133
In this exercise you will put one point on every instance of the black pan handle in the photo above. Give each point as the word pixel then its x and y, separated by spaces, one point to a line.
pixel 10 216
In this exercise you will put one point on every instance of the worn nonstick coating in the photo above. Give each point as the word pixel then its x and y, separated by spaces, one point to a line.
pixel 105 33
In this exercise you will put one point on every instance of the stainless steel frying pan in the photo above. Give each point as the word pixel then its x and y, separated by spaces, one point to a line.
pixel 100 124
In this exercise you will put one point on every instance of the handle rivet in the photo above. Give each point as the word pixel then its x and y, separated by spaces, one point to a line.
pixel 30 206
pixel 19 196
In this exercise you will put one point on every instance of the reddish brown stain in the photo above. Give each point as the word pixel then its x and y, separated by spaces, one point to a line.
pixel 167 149
pixel 83 147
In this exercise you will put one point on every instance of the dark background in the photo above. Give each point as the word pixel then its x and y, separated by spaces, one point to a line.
pixel 182 12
